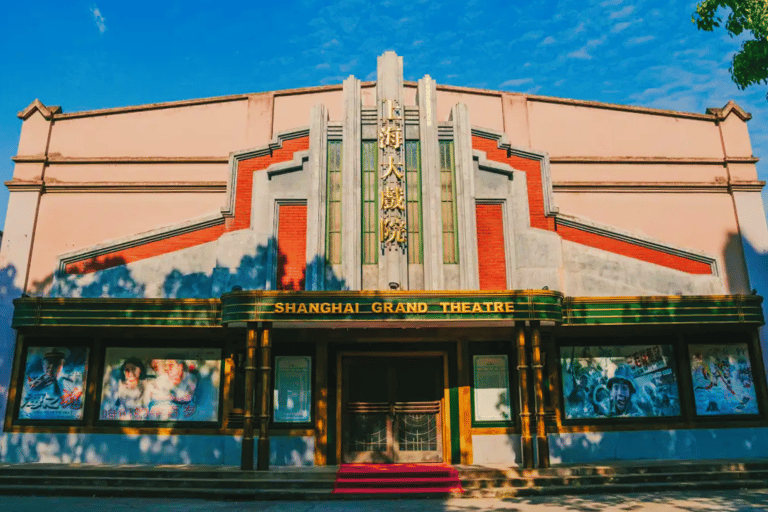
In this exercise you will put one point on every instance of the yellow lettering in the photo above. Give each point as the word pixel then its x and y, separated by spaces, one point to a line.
pixel 465 307
pixel 290 307
pixel 400 308
pixel 314 308
pixel 302 308
pixel 455 307
pixel 509 307
pixel 348 308
pixel 487 306
pixel 376 307
pixel 357 307
pixel 477 308
pixel 388 307
pixel 336 306
pixel 423 307
pixel 325 308
pixel 498 307
pixel 445 306
pixel 278 307
pixel 411 307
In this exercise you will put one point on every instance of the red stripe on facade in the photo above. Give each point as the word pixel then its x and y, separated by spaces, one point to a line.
pixel 532 170
pixel 633 251
pixel 492 265
pixel 291 246
pixel 241 220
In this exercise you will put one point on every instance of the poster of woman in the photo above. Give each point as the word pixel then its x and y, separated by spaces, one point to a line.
pixel 161 385
pixel 54 383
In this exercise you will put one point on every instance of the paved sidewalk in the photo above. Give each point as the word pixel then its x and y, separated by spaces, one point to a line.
pixel 709 501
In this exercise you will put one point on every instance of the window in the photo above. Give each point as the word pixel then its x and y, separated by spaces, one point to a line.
pixel 333 199
pixel 293 389
pixel 413 181
pixel 448 202
pixel 492 388
pixel 370 202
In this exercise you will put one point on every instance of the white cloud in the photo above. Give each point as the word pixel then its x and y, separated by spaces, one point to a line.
pixel 580 28
pixel 620 26
pixel 417 43
pixel 623 13
pixel 332 42
pixel 580 54
pixel 324 65
pixel 639 40
pixel 99 19
pixel 559 82
pixel 610 2
pixel 548 40
pixel 515 82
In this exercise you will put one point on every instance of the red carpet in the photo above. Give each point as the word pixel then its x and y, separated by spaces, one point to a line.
pixel 396 478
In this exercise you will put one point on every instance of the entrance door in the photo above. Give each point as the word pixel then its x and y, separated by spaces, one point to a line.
pixel 392 409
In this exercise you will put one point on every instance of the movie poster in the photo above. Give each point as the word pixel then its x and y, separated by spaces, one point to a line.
pixel 619 381
pixel 54 383
pixel 722 380
pixel 159 384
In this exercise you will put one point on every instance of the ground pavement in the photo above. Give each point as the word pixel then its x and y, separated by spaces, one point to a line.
pixel 700 501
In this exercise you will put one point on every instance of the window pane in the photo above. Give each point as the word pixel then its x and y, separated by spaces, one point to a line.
pixel 293 389
pixel 492 388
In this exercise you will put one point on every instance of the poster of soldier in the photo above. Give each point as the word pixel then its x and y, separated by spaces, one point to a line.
pixel 155 384
pixel 619 381
pixel 722 380
pixel 54 382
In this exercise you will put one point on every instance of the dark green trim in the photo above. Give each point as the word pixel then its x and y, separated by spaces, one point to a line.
pixel 251 306
pixel 39 312
pixel 715 309
pixel 455 423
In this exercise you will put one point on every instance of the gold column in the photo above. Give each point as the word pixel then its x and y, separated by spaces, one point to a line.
pixel 246 459
pixel 266 360
pixel 523 374
pixel 321 403
pixel 542 444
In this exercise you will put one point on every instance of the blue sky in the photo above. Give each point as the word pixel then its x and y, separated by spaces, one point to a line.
pixel 84 55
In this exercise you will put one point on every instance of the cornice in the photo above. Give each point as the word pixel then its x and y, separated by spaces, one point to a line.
pixel 639 186
pixel 652 160
pixel 136 187
pixel 56 158
pixel 37 106
pixel 731 106
pixel 156 106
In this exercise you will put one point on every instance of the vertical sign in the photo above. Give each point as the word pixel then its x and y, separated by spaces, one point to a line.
pixel 393 220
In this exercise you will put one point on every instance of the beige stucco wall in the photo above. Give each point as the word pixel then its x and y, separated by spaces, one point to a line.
pixel 484 109
pixel 212 129
pixel 17 234
pixel 135 172
pixel 569 130
pixel 34 135
pixel 292 111
pixel 703 222
pixel 636 173
pixel 67 222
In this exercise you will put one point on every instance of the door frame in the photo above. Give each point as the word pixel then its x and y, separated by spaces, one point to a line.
pixel 445 399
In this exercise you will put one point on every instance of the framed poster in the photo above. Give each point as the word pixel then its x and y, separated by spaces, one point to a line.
pixel 722 380
pixel 293 389
pixel 492 388
pixel 54 383
pixel 161 384
pixel 619 381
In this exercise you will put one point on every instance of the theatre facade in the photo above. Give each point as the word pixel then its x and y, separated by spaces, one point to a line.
pixel 384 271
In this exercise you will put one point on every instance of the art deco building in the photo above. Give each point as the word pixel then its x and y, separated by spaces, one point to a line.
pixel 382 271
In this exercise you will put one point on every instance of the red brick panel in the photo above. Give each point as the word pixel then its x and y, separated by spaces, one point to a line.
pixel 492 264
pixel 241 220
pixel 291 246
pixel 633 251
pixel 532 170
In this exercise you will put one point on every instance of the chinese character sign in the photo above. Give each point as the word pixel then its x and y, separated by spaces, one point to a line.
pixel 54 383
pixel 393 228
pixel 161 384
pixel 619 381
pixel 722 380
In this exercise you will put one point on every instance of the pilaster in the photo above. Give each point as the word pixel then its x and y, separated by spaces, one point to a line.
pixel 316 199
pixel 351 229
pixel 465 198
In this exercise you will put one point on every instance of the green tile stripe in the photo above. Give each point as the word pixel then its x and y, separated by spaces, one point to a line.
pixel 664 310
pixel 395 307
pixel 31 312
